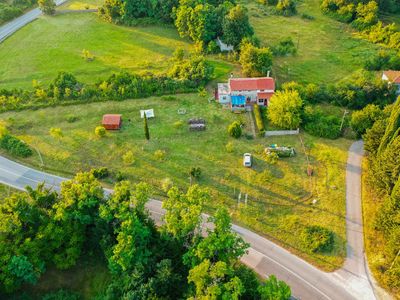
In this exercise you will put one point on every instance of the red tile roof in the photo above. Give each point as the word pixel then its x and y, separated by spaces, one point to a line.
pixel 394 76
pixel 264 95
pixel 111 120
pixel 252 84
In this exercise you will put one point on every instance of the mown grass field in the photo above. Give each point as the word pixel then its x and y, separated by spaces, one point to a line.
pixel 52 44
pixel 280 197
pixel 327 49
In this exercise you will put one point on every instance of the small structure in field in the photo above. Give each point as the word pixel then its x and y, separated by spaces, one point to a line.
pixel 149 113
pixel 197 124
pixel 393 77
pixel 281 151
pixel 112 122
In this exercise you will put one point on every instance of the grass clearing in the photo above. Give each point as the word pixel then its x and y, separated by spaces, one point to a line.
pixel 280 197
pixel 327 49
pixel 88 277
pixel 52 44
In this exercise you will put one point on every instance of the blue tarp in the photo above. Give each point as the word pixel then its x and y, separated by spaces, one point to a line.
pixel 238 100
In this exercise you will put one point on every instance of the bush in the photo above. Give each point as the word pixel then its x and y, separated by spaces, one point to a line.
pixel 178 124
pixel 195 172
pixel 128 158
pixel 235 130
pixel 318 239
pixel 286 7
pixel 307 17
pixel 100 173
pixel 159 155
pixel 61 295
pixel 229 147
pixel 362 120
pixel 317 124
pixel 100 131
pixel 56 132
pixel 72 118
pixel 285 47
pixel 271 158
pixel 15 146
pixel 259 119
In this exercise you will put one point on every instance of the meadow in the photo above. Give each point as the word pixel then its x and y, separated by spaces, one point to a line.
pixel 282 199
pixel 52 44
pixel 327 50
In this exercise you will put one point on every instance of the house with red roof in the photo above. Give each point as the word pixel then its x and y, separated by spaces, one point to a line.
pixel 393 77
pixel 243 93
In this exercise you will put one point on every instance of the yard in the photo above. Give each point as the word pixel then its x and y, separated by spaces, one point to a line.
pixel 327 49
pixel 281 198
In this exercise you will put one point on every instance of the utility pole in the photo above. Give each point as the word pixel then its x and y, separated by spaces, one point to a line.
pixel 344 115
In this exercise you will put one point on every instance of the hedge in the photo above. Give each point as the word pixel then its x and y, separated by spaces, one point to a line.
pixel 259 119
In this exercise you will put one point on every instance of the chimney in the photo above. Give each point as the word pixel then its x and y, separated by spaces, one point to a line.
pixel 232 75
pixel 268 73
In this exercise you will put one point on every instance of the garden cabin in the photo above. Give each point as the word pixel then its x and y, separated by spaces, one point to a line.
pixel 393 77
pixel 242 93
pixel 112 122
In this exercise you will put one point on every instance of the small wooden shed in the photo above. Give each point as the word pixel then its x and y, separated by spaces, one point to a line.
pixel 112 122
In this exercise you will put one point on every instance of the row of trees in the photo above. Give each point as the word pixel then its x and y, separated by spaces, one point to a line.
pixel 185 75
pixel 382 143
pixel 174 261
pixel 12 9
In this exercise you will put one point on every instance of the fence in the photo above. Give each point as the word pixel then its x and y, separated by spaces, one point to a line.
pixel 282 132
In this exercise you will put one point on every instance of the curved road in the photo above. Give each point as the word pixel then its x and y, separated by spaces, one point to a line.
pixel 9 28
pixel 265 257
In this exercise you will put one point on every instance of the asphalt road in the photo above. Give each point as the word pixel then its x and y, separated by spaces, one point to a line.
pixel 9 28
pixel 265 257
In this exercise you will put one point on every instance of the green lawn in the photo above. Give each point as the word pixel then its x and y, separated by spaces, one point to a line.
pixel 279 196
pixel 52 44
pixel 327 51
pixel 80 5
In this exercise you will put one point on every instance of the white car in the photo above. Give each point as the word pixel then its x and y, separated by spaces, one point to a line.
pixel 247 160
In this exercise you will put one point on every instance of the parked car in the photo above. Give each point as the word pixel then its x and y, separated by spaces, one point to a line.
pixel 247 160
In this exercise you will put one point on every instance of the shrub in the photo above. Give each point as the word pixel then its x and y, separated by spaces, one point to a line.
pixel 307 17
pixel 195 172
pixel 15 146
pixel 120 176
pixel 159 155
pixel 166 184
pixel 285 47
pixel 259 119
pixel 271 158
pixel 229 147
pixel 362 120
pixel 235 130
pixel 72 118
pixel 100 131
pixel 178 124
pixel 317 124
pixel 87 55
pixel 61 295
pixel 286 7
pixel 56 132
pixel 100 173
pixel 128 158
pixel 318 239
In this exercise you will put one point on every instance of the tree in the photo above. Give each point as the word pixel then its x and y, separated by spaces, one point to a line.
pixel 215 281
pixel 183 213
pixel 23 270
pixel 236 26
pixel 220 244
pixel 364 119
pixel 274 289
pixel 235 130
pixel 284 109
pixel 146 127
pixel 48 7
pixel 286 7
pixel 255 61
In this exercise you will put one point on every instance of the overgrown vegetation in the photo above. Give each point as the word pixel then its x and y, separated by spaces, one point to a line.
pixel 382 142
pixel 42 227
pixel 12 9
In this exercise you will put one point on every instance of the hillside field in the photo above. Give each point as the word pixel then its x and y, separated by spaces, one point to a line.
pixel 280 197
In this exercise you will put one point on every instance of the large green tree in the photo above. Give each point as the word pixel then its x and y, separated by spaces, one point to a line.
pixel 255 61
pixel 236 26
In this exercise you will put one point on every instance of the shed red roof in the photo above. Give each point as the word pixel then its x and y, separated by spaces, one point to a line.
pixel 111 120
pixel 252 84
pixel 394 76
